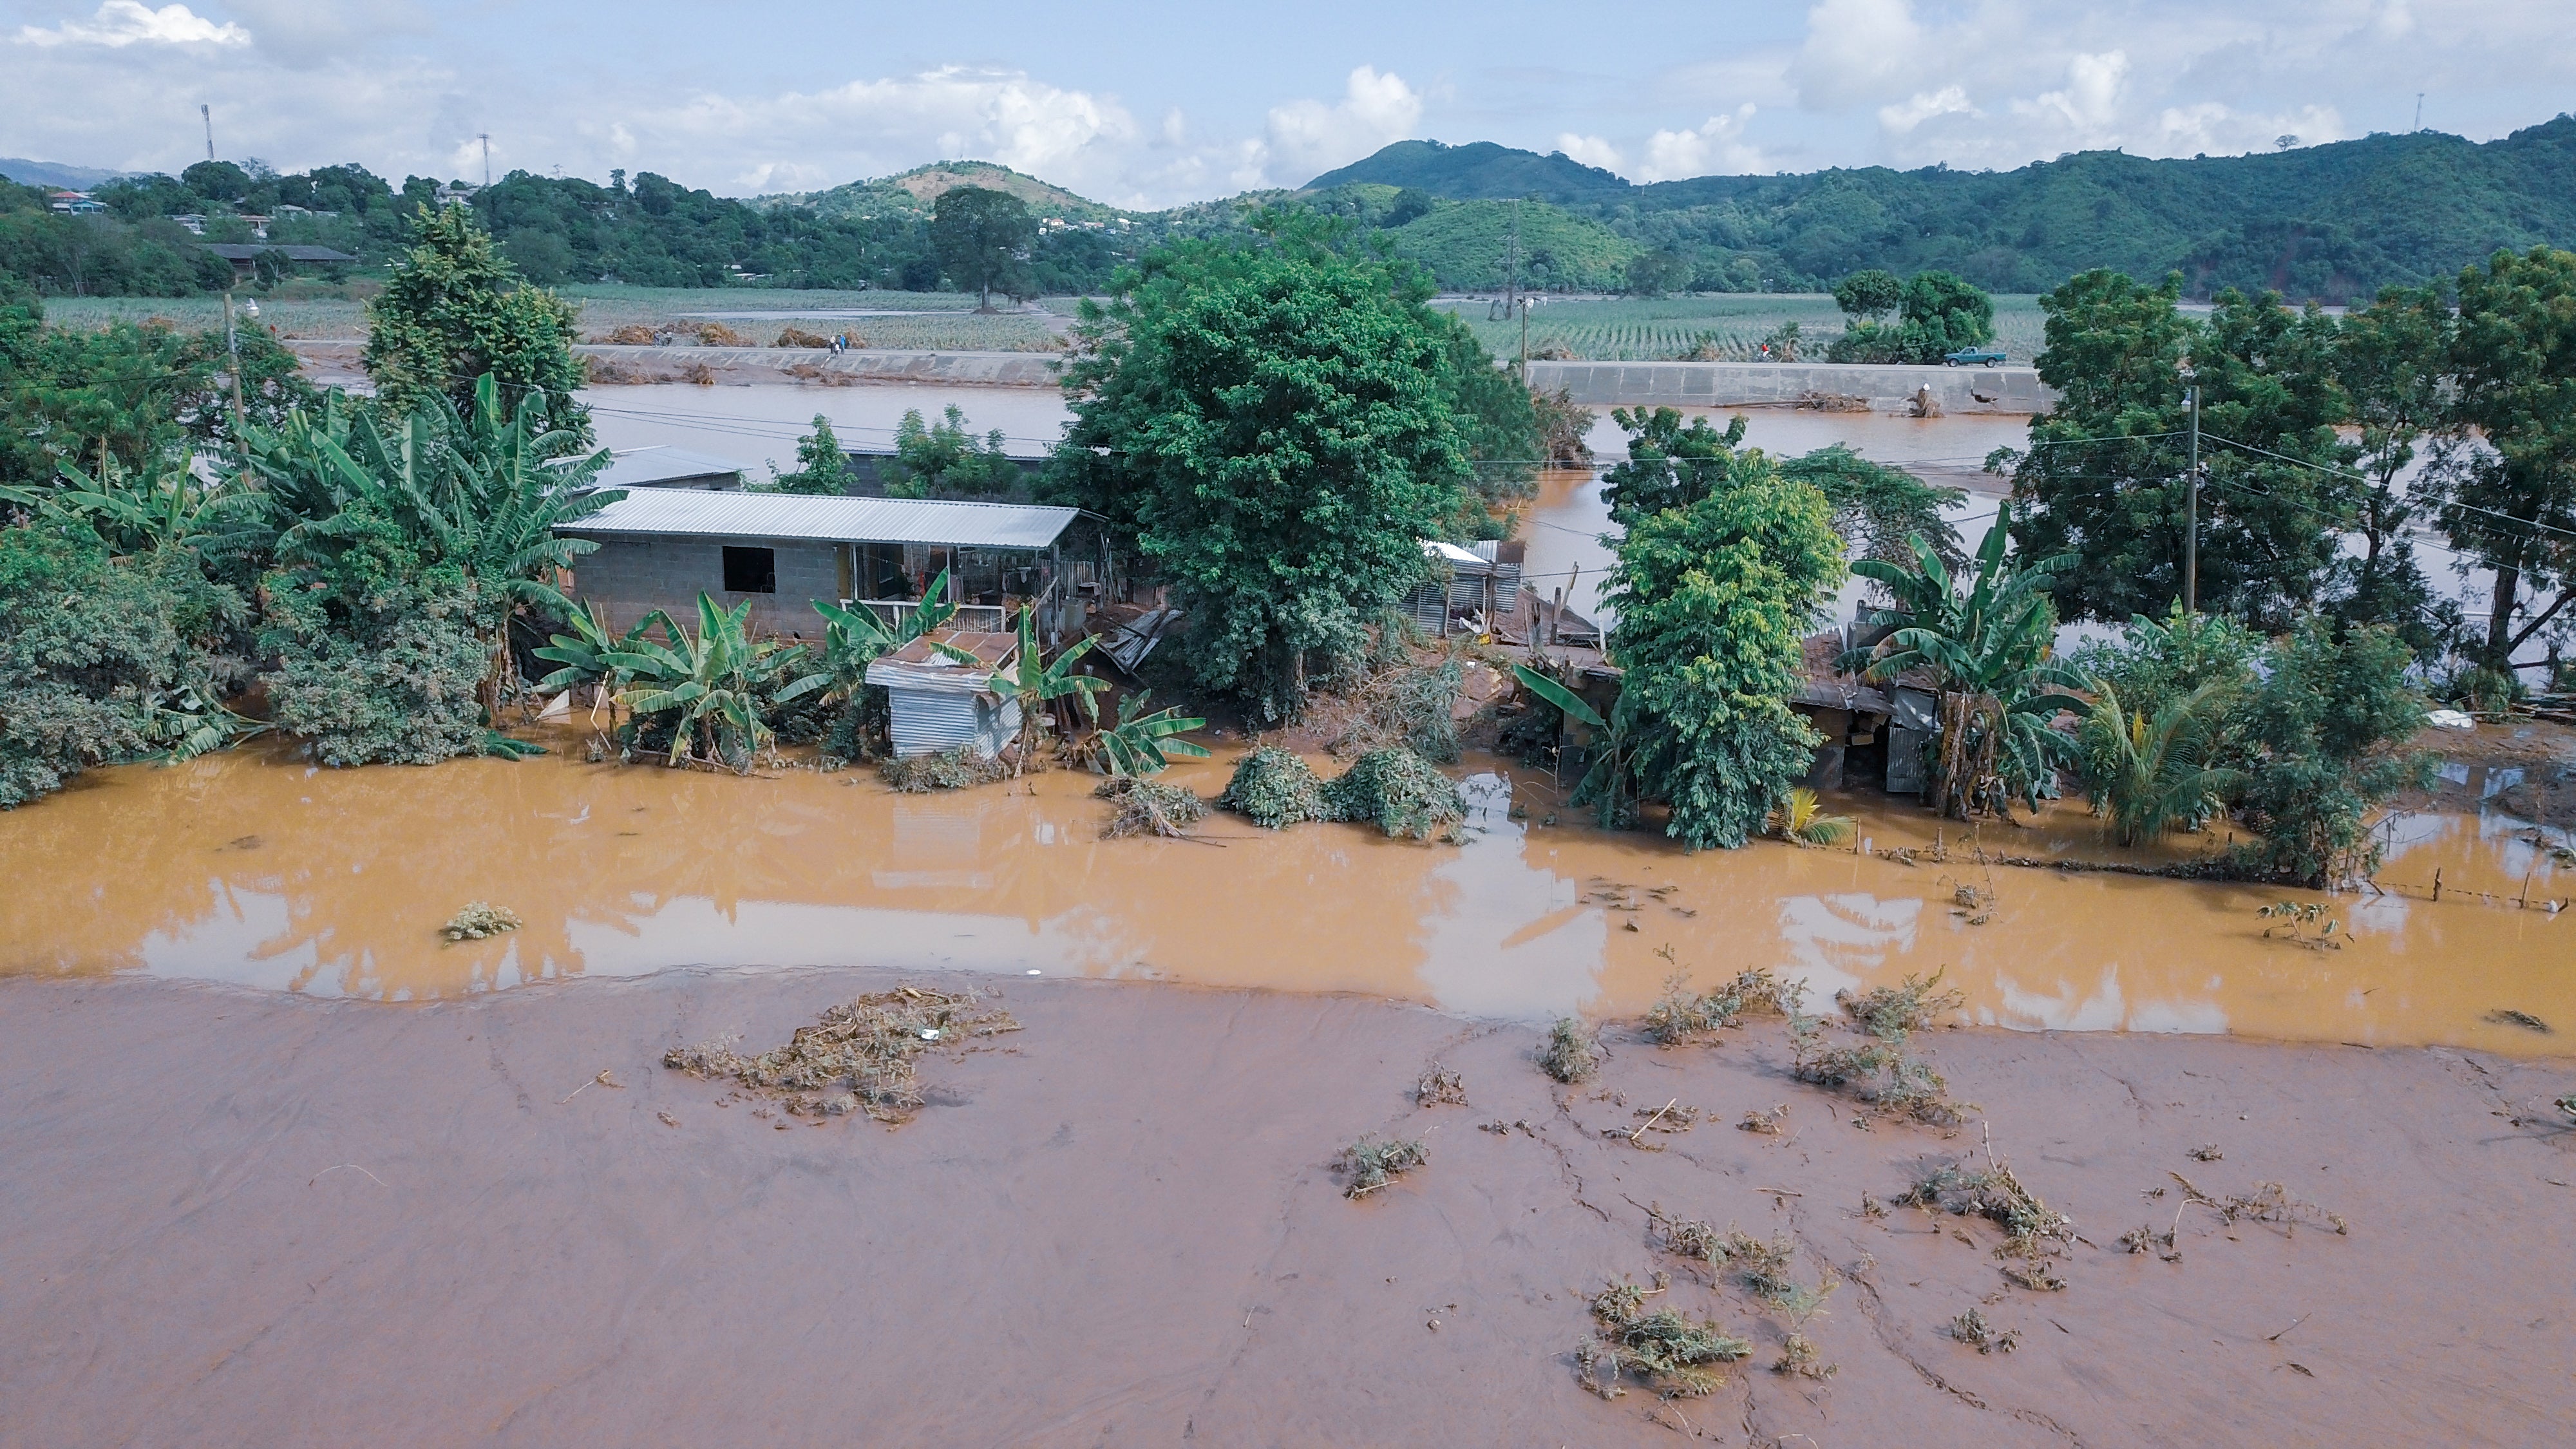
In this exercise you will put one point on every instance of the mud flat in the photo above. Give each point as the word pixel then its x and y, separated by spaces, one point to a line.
pixel 244 1217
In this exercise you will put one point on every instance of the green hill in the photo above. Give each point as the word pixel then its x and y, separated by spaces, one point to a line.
pixel 914 192
pixel 2332 221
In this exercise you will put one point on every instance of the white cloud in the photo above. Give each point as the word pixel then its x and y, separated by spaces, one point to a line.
pixel 1308 136
pixel 120 23
pixel 1716 145
pixel 804 140
pixel 1590 150
pixel 1857 50
pixel 2091 98
pixel 1923 106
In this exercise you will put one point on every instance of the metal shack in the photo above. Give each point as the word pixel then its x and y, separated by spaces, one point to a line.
pixel 660 547
pixel 942 702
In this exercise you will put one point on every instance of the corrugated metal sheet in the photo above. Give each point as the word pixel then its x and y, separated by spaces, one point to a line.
pixel 667 468
pixel 922 521
pixel 928 721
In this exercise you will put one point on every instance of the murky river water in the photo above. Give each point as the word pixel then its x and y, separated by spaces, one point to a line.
pixel 255 869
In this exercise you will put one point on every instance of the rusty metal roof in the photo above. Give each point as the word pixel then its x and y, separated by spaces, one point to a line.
pixel 666 513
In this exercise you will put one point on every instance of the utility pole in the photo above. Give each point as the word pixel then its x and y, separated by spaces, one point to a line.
pixel 1517 300
pixel 208 114
pixel 2191 532
pixel 486 138
pixel 232 345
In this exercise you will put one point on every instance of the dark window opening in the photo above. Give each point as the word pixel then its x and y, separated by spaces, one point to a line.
pixel 751 570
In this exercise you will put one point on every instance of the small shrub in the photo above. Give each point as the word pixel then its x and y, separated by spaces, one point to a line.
pixel 1668 1351
pixel 1148 807
pixel 1399 792
pixel 1798 1356
pixel 1881 1074
pixel 1440 1086
pixel 962 768
pixel 2032 1228
pixel 1571 1054
pixel 1972 1329
pixel 479 920
pixel 1369 1164
pixel 1891 1013
pixel 1274 790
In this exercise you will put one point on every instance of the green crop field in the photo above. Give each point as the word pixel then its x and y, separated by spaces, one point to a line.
pixel 1726 327
pixel 929 321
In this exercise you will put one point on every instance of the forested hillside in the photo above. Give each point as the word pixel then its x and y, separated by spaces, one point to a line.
pixel 2333 221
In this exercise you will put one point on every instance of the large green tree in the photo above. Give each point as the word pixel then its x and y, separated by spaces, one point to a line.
pixel 1269 424
pixel 1714 598
pixel 2392 359
pixel 2512 502
pixel 983 238
pixel 2106 476
pixel 456 310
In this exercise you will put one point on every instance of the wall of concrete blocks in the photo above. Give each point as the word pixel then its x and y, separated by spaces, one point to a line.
pixel 1745 384
pixel 630 577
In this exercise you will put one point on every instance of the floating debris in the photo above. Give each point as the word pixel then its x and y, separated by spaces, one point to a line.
pixel 479 920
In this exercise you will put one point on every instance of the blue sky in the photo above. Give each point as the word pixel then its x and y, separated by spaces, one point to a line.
pixel 1151 104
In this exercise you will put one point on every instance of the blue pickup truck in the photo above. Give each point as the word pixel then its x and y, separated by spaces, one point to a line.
pixel 1974 357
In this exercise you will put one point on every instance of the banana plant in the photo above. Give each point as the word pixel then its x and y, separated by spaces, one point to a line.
pixel 1036 681
pixel 1139 743
pixel 131 513
pixel 718 682
pixel 1987 648
pixel 853 639
pixel 1605 783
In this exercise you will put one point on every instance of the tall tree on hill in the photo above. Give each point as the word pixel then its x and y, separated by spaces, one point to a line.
pixel 456 310
pixel 2392 358
pixel 982 237
pixel 1270 424
pixel 2513 502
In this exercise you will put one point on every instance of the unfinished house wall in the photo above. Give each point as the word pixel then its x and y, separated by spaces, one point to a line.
pixel 630 577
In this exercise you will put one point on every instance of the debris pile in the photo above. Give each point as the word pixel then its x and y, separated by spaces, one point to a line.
pixel 857 1058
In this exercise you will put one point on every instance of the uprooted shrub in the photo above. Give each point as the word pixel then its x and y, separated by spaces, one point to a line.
pixel 962 768
pixel 857 1058
pixel 1400 793
pixel 1148 807
pixel 1881 1074
pixel 1370 1163
pixel 1686 1016
pixel 2033 1231
pixel 1891 1013
pixel 1274 789
pixel 1571 1053
pixel 479 921
pixel 1668 1351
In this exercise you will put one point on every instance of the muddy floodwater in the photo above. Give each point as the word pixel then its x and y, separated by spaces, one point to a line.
pixel 253 868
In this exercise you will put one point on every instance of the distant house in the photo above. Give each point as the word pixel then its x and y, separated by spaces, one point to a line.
pixel 660 547
pixel 77 203
pixel 245 257
pixel 658 467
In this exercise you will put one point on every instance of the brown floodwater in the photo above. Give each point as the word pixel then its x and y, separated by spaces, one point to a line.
pixel 256 869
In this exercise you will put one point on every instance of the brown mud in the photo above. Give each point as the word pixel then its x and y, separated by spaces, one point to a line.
pixel 241 1217
pixel 254 869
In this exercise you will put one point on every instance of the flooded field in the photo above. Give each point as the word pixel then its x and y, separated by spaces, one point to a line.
pixel 254 869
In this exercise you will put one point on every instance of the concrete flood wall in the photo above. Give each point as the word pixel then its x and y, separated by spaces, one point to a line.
pixel 971 369
pixel 1755 384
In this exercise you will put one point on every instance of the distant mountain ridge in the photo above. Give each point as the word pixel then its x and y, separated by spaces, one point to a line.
pixel 54 173
pixel 2332 221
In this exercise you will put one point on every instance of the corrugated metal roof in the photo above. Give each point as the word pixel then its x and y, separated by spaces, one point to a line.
pixel 659 467
pixel 691 513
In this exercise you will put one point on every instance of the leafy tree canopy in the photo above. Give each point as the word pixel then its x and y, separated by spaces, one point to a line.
pixel 983 239
pixel 1270 424
pixel 456 310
